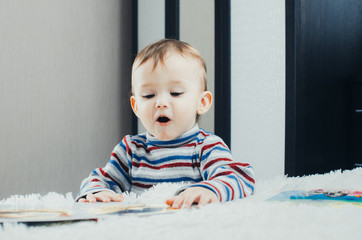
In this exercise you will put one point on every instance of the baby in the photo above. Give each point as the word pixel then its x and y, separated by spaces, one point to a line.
pixel 168 94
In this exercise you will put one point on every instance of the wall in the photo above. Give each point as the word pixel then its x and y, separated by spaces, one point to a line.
pixel 64 83
pixel 258 84
pixel 197 28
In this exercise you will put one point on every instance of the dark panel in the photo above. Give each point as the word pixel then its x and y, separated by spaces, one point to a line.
pixel 292 55
pixel 324 54
pixel 356 121
pixel 222 70
pixel 172 21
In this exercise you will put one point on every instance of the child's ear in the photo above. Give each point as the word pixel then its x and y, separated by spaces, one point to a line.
pixel 205 103
pixel 134 105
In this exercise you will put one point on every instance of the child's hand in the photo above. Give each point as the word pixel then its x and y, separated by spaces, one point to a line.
pixel 192 195
pixel 103 196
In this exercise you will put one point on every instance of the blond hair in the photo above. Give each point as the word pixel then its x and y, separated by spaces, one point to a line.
pixel 158 50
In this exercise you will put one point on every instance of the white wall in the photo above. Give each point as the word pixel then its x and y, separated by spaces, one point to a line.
pixel 64 79
pixel 258 84
pixel 197 28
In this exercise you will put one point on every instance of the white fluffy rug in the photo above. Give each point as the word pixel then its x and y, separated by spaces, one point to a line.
pixel 250 218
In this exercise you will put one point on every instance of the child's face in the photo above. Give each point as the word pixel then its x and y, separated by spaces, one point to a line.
pixel 167 98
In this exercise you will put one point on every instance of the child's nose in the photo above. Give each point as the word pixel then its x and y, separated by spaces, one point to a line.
pixel 162 101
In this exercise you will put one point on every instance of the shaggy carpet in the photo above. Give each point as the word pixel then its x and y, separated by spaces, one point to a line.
pixel 251 218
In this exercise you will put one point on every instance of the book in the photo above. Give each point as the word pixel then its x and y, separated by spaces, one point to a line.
pixel 77 212
pixel 321 195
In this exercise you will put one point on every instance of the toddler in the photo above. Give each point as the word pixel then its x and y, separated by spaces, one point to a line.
pixel 169 92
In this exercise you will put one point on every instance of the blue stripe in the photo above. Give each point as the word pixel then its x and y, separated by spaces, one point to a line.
pixel 123 146
pixel 214 148
pixel 115 163
pixel 227 191
pixel 85 184
pixel 129 165
pixel 197 139
pixel 111 183
pixel 216 169
pixel 248 185
pixel 143 136
pixel 175 141
pixel 237 183
pixel 206 132
pixel 141 142
pixel 181 179
pixel 205 175
pixel 166 159
pixel 126 154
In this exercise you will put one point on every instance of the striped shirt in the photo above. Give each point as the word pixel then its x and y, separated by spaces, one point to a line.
pixel 197 158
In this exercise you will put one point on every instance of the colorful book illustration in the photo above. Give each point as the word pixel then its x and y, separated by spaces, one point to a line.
pixel 78 212
pixel 321 195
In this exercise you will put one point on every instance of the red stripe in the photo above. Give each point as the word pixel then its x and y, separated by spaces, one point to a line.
pixel 205 134
pixel 232 189
pixel 204 148
pixel 152 148
pixel 124 167
pixel 213 187
pixel 221 174
pixel 128 149
pixel 95 180
pixel 108 176
pixel 192 144
pixel 241 164
pixel 242 173
pixel 141 185
pixel 207 165
pixel 141 146
pixel 170 165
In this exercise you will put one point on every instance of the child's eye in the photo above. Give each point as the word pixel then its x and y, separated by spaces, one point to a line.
pixel 176 94
pixel 148 96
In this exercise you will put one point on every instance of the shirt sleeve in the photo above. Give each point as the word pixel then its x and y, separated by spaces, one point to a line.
pixel 114 176
pixel 227 178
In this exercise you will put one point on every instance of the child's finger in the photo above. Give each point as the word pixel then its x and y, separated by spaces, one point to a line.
pixel 189 200
pixel 91 198
pixel 82 200
pixel 178 202
pixel 116 197
pixel 170 201
pixel 102 198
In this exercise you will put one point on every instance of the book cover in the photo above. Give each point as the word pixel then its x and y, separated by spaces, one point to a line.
pixel 321 195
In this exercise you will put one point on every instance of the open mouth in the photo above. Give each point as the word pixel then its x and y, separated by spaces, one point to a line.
pixel 163 119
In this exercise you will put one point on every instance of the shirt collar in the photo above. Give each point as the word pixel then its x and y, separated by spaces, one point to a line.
pixel 184 138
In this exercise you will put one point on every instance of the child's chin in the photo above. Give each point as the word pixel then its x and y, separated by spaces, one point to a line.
pixel 165 137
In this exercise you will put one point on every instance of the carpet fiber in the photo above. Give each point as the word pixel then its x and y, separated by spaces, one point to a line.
pixel 250 218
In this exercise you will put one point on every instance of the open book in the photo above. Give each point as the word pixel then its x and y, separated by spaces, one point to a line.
pixel 77 212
